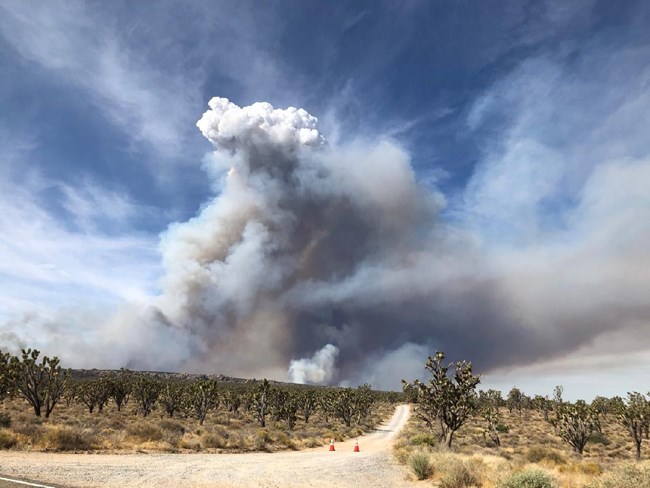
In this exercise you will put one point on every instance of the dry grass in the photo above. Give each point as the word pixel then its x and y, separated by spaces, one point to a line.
pixel 529 445
pixel 72 428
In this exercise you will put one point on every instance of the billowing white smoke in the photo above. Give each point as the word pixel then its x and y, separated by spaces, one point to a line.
pixel 292 214
pixel 318 369
pixel 231 127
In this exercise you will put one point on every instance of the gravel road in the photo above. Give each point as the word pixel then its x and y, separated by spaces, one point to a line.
pixel 372 467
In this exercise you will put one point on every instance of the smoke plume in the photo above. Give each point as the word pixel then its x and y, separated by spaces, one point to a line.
pixel 317 369
pixel 309 247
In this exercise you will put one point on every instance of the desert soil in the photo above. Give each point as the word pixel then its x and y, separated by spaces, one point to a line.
pixel 372 467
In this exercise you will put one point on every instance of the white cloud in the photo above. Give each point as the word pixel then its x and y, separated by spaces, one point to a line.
pixel 45 264
pixel 82 48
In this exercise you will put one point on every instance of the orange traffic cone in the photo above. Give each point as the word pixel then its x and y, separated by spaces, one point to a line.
pixel 356 446
pixel 332 445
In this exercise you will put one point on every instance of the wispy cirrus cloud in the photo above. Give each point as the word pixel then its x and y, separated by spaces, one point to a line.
pixel 81 47
pixel 559 202
pixel 48 261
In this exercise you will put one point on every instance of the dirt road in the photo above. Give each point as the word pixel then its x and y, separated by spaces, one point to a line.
pixel 372 467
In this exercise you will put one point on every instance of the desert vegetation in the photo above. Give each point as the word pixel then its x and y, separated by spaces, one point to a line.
pixel 461 436
pixel 46 407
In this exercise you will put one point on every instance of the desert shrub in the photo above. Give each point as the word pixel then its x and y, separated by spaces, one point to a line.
pixel 590 469
pixel 530 478
pixel 31 430
pixel 7 441
pixel 459 474
pixel 629 475
pixel 115 423
pixel 192 444
pixel 145 432
pixel 599 438
pixel 286 441
pixel 67 439
pixel 263 436
pixel 213 440
pixel 401 453
pixel 312 442
pixel 503 428
pixel 5 420
pixel 424 439
pixel 535 454
pixel 420 464
pixel 172 425
pixel 236 441
pixel 173 431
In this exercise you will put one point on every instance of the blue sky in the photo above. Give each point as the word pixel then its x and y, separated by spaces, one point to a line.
pixel 518 114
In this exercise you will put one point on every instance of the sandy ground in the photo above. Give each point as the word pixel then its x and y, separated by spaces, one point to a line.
pixel 372 467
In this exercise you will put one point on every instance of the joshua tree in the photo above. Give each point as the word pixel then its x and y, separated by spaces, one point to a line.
pixel 307 402
pixel 543 404
pixel 343 405
pixel 261 398
pixel 600 405
pixel 574 423
pixel 493 424
pixel 232 400
pixel 515 400
pixel 146 391
pixel 120 386
pixel 93 393
pixel 42 383
pixel 203 396
pixel 171 397
pixel 285 406
pixel 490 399
pixel 326 400
pixel 7 379
pixel 363 402
pixel 635 417
pixel 448 401
pixel 557 396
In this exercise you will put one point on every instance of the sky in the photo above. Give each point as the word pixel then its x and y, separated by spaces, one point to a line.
pixel 464 176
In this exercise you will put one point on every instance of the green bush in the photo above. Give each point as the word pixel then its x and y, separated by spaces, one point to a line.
pixel 531 478
pixel 460 474
pixel 7 441
pixel 632 475
pixel 536 454
pixel 420 464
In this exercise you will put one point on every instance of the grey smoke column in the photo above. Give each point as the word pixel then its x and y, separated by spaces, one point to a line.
pixel 271 268
pixel 308 245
